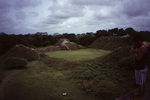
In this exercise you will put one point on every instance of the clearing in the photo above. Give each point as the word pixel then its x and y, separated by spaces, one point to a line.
pixel 79 55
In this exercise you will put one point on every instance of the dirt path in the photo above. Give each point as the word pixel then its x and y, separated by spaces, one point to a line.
pixel 4 82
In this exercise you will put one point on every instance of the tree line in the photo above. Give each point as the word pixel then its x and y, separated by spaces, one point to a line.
pixel 41 39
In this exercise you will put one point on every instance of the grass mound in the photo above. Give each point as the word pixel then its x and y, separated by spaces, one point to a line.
pixel 70 46
pixel 74 46
pixel 21 51
pixel 110 43
pixel 48 48
pixel 117 54
pixel 121 56
pixel 13 63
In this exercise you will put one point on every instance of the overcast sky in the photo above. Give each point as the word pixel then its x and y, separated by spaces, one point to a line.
pixel 72 16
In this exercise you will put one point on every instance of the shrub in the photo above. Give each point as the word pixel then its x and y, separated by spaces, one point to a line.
pixel 14 62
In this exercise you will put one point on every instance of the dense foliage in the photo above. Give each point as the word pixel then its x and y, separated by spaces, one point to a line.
pixel 41 39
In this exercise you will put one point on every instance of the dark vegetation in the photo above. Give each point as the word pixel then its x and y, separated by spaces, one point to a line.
pixel 115 42
pixel 14 63
pixel 41 39
pixel 104 79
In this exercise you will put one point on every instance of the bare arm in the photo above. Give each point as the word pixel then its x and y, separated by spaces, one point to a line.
pixel 141 53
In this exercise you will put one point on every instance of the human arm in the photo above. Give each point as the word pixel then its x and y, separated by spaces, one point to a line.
pixel 141 53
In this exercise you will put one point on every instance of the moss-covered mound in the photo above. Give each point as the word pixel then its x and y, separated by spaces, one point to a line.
pixel 121 56
pixel 62 44
pixel 74 46
pixel 14 62
pixel 110 43
pixel 21 51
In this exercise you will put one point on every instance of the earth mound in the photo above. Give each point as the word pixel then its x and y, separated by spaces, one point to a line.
pixel 62 44
pixel 21 51
pixel 110 42
pixel 122 57
pixel 119 53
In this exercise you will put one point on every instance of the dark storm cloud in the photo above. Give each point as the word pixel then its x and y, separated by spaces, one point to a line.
pixel 60 13
pixel 141 22
pixel 136 13
pixel 92 2
pixel 65 10
pixel 7 25
pixel 25 16
pixel 135 8
pixel 4 7
pixel 20 15
pixel 19 4
pixel 12 15
pixel 34 14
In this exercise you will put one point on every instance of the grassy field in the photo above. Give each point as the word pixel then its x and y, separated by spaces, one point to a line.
pixel 40 82
pixel 78 55
pixel 76 73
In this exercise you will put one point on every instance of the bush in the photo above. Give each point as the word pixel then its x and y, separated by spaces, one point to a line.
pixel 14 62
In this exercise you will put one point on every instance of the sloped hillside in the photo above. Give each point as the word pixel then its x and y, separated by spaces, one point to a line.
pixel 118 54
pixel 122 57
pixel 110 43
pixel 21 51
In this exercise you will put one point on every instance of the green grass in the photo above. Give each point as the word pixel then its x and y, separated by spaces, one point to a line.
pixel 40 82
pixel 81 78
pixel 78 55
pixel 104 80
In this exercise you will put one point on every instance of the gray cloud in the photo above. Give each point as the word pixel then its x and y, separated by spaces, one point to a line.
pixel 4 7
pixel 135 8
pixel 76 16
pixel 60 12
pixel 34 14
pixel 93 2
pixel 7 25
pixel 65 10
pixel 21 15
pixel 19 4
